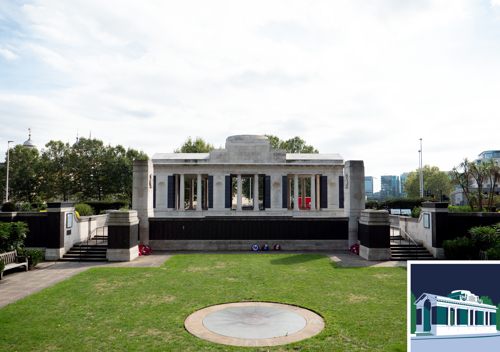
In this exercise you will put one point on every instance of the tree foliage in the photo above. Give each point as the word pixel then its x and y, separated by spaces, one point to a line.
pixel 469 171
pixel 197 145
pixel 434 181
pixel 292 145
pixel 88 170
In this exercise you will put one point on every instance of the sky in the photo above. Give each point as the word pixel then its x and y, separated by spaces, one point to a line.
pixel 365 79
pixel 441 279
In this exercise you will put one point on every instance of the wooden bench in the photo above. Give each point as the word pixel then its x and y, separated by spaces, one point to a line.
pixel 12 260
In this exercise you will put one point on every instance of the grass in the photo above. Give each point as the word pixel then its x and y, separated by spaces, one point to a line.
pixel 142 309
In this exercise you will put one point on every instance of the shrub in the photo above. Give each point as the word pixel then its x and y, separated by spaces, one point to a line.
pixel 34 256
pixel 371 204
pixel 103 205
pixel 25 207
pixel 483 237
pixel 8 206
pixel 459 248
pixel 12 235
pixel 462 208
pixel 2 265
pixel 84 209
pixel 415 212
pixel 404 203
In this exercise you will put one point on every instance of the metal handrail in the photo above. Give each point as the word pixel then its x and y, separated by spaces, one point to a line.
pixel 408 238
pixel 89 238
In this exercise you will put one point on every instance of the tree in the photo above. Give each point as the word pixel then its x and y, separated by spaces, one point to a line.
pixel 413 315
pixel 292 145
pixel 462 176
pixel 55 163
pixel 24 174
pixel 195 146
pixel 493 176
pixel 486 300
pixel 434 181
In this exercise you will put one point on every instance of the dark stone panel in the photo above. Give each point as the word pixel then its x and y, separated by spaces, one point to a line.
pixel 434 315
pixel 439 229
pixel 123 237
pixel 56 205
pixel 171 192
pixel 267 192
pixel 210 192
pixel 284 192
pixel 460 223
pixel 227 203
pixel 419 316
pixel 374 236
pixel 55 230
pixel 154 191
pixel 244 228
pixel 323 192
pixel 341 192
pixel 435 205
pixel 37 225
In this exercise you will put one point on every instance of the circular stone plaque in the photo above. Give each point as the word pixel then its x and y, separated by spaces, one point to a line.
pixel 254 324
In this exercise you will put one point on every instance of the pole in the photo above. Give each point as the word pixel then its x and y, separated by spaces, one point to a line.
pixel 7 186
pixel 421 171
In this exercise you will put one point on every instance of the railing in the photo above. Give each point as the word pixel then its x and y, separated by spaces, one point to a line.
pixel 408 238
pixel 89 238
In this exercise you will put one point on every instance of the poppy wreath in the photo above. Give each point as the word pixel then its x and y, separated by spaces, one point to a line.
pixel 355 248
pixel 145 250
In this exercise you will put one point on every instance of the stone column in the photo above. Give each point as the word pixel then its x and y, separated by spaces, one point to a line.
pixel 182 193
pixel 238 193
pixel 313 192
pixel 296 192
pixel 256 193
pixel 123 231
pixel 205 203
pixel 56 229
pixel 374 235
pixel 354 195
pixel 142 196
pixel 199 197
pixel 191 193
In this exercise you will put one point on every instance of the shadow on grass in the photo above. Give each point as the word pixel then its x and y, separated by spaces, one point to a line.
pixel 338 266
pixel 296 259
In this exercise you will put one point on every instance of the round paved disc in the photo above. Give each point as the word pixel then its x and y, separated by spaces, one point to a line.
pixel 254 322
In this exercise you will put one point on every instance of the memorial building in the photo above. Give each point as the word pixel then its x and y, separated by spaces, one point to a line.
pixel 196 200
pixel 459 313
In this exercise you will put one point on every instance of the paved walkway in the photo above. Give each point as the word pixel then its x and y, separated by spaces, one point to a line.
pixel 17 285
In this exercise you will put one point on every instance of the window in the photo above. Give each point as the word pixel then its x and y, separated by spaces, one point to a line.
pixel 427 220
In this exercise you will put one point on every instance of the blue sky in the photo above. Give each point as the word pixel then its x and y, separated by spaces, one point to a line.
pixel 365 79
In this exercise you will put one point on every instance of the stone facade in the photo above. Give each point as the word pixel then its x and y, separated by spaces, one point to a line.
pixel 281 184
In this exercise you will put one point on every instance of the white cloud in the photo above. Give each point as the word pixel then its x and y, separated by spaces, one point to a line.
pixel 366 79
pixel 9 55
pixel 495 2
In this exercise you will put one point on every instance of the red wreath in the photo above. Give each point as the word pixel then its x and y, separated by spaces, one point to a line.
pixel 145 250
pixel 355 248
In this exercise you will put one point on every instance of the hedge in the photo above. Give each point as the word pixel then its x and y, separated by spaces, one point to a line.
pixel 100 206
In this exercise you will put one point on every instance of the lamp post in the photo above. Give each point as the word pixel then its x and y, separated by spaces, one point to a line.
pixel 421 171
pixel 7 186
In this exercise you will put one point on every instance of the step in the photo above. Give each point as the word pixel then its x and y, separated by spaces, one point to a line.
pixel 83 259
pixel 88 255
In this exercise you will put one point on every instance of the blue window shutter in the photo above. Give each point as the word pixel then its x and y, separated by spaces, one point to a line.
pixel 341 192
pixel 267 192
pixel 210 191
pixel 323 192
pixel 171 192
pixel 284 192
pixel 227 202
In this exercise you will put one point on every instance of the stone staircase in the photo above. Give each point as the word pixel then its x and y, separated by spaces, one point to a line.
pixel 402 249
pixel 93 251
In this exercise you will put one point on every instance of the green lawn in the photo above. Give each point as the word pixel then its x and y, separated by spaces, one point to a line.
pixel 141 309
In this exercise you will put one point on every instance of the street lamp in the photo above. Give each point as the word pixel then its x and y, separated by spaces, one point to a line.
pixel 7 186
pixel 421 172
